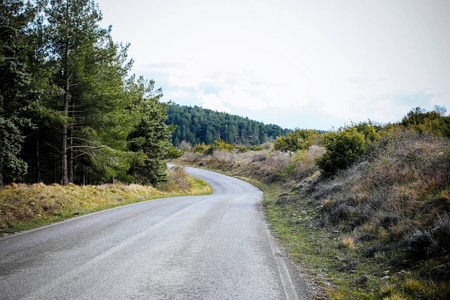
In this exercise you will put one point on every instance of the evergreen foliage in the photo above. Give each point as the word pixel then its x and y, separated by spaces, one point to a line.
pixel 150 137
pixel 197 125
pixel 15 89
pixel 343 149
pixel 69 110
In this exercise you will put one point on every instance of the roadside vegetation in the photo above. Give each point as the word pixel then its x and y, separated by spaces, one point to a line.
pixel 27 206
pixel 363 210
pixel 71 113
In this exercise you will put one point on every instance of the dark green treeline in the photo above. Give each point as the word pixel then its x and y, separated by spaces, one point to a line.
pixel 198 125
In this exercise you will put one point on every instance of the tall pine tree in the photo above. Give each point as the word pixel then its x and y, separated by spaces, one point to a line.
pixel 15 90
pixel 151 136
pixel 94 109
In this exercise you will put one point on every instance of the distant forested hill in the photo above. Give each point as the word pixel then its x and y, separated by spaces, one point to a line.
pixel 198 125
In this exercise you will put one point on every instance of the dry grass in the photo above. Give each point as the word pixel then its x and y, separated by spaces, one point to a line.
pixel 396 297
pixel 266 165
pixel 25 206
pixel 21 203
pixel 399 193
pixel 178 181
pixel 412 286
pixel 348 242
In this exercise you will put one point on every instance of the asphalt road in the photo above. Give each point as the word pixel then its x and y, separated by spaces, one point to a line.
pixel 204 247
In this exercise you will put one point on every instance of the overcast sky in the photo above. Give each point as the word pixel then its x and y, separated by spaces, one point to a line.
pixel 299 64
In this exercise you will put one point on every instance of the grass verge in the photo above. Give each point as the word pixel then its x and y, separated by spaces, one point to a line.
pixel 24 207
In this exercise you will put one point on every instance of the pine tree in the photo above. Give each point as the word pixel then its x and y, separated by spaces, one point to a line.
pixel 15 90
pixel 94 111
pixel 151 136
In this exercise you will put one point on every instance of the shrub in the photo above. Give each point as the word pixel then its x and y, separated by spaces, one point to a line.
pixel 256 148
pixel 371 132
pixel 297 140
pixel 179 178
pixel 433 121
pixel 218 145
pixel 200 148
pixel 241 149
pixel 342 149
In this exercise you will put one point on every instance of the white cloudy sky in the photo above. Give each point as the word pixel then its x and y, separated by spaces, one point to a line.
pixel 296 63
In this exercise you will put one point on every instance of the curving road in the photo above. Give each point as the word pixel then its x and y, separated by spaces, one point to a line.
pixel 203 247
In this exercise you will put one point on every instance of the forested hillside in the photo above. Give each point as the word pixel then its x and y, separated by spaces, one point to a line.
pixel 70 111
pixel 198 125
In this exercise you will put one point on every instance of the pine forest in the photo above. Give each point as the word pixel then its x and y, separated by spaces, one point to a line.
pixel 197 125
pixel 70 111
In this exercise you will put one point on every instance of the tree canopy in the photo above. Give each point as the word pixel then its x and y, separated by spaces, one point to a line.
pixel 198 125
pixel 69 109
pixel 15 88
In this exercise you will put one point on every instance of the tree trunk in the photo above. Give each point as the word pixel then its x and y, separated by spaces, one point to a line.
pixel 65 175
pixel 38 170
pixel 55 171
pixel 64 165
pixel 71 162
pixel 71 159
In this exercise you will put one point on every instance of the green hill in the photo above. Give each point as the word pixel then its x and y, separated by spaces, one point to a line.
pixel 198 125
